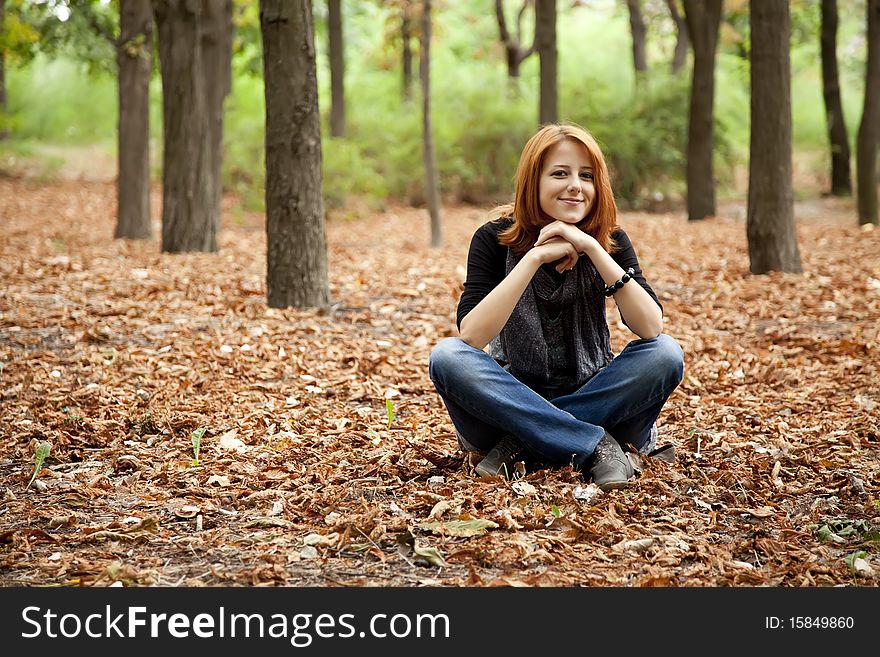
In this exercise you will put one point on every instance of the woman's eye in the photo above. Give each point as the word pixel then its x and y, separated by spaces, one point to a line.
pixel 587 176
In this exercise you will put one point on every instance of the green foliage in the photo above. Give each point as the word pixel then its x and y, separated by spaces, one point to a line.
pixel 197 443
pixel 57 101
pixel 84 30
pixel 40 455
pixel 480 119
pixel 851 559
pixel 247 54
pixel 20 35
pixel 847 531
pixel 389 407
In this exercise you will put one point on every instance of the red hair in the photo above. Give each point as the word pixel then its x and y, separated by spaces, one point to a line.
pixel 528 217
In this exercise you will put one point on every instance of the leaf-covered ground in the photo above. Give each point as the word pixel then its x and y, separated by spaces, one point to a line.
pixel 115 354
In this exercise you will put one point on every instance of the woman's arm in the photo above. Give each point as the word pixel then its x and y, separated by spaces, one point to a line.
pixel 639 311
pixel 489 316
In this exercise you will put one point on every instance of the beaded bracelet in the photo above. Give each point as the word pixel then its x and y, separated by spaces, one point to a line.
pixel 627 275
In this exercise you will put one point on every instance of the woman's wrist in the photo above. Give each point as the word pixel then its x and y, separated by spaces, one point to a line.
pixel 588 246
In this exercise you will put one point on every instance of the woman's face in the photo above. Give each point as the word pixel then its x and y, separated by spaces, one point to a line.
pixel 566 190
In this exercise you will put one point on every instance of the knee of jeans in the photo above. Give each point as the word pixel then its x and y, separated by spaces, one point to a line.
pixel 669 358
pixel 445 356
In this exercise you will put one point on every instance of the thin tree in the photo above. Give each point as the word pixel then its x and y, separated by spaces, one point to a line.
pixel 432 185
pixel 841 182
pixel 189 220
pixel 770 218
pixel 134 58
pixel 545 37
pixel 866 143
pixel 637 30
pixel 296 273
pixel 406 9
pixel 337 68
pixel 216 53
pixel 703 20
pixel 682 41
pixel 4 131
pixel 514 47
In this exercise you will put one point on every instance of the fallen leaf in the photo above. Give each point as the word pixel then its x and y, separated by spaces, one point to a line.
pixel 229 441
pixel 463 528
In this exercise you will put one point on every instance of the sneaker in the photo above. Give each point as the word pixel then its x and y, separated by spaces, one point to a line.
pixel 610 468
pixel 500 459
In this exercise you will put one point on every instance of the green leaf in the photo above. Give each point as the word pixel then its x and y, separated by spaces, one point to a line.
pixel 390 408
pixel 555 510
pixel 197 443
pixel 40 455
pixel 825 533
pixel 464 528
pixel 851 559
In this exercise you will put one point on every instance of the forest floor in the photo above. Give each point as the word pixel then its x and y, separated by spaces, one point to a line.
pixel 115 353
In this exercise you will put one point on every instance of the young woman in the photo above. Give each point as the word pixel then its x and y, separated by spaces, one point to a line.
pixel 549 389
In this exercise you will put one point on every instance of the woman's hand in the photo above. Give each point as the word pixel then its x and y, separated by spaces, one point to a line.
pixel 581 241
pixel 558 250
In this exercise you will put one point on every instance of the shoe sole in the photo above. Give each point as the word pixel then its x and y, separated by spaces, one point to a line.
pixel 615 485
pixel 487 474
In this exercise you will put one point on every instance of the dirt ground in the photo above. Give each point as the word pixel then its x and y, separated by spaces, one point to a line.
pixel 114 354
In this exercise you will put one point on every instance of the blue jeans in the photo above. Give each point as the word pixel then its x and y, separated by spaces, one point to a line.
pixel 486 402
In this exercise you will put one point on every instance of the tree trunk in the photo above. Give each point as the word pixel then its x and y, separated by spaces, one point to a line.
pixel 216 53
pixel 866 145
pixel 406 36
pixel 513 46
pixel 432 191
pixel 841 183
pixel 297 250
pixel 682 41
pixel 770 223
pixel 134 58
pixel 337 69
pixel 4 131
pixel 703 20
pixel 188 220
pixel 545 36
pixel 637 29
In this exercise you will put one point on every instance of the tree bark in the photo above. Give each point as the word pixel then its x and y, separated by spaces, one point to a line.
pixel 866 144
pixel 841 182
pixel 545 36
pixel 703 20
pixel 134 58
pixel 770 223
pixel 337 69
pixel 513 46
pixel 188 220
pixel 216 53
pixel 637 29
pixel 432 191
pixel 297 251
pixel 406 53
pixel 682 41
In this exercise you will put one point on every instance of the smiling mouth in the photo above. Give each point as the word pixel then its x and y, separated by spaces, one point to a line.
pixel 571 201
